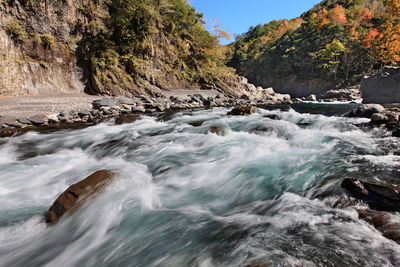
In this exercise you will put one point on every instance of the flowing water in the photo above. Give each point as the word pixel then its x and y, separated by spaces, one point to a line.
pixel 262 193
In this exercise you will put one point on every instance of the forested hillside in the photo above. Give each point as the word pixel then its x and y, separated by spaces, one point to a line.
pixel 115 47
pixel 333 45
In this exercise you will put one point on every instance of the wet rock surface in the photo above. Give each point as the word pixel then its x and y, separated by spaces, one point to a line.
pixel 242 110
pixel 378 197
pixel 77 194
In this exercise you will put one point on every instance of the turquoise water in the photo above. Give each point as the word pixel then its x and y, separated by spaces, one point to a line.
pixel 262 193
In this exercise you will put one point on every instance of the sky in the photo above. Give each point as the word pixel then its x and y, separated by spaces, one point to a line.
pixel 238 16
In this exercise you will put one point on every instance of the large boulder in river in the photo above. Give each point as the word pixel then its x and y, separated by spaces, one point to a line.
pixel 383 87
pixel 378 197
pixel 77 194
pixel 366 111
pixel 242 110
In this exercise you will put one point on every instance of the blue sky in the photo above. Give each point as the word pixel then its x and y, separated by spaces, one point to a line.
pixel 239 15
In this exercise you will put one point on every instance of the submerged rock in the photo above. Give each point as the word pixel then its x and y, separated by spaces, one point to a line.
pixel 243 110
pixel 378 197
pixel 122 119
pixel 383 222
pixel 218 130
pixel 77 194
pixel 272 117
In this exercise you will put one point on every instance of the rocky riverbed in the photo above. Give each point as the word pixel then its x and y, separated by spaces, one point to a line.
pixel 19 115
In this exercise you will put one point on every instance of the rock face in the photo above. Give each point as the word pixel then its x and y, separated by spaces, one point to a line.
pixel 76 195
pixel 383 87
pixel 378 197
pixel 242 110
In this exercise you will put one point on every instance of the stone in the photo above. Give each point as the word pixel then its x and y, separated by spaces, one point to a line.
pixel 242 110
pixel 8 132
pixel 218 130
pixel 383 87
pixel 123 119
pixel 104 102
pixel 378 197
pixel 15 124
pixel 77 194
pixel 243 80
pixel 311 98
pixel 83 113
pixel 24 121
pixel 126 106
pixel 196 123
pixel 272 116
pixel 245 97
pixel 378 118
pixel 383 222
pixel 366 111
pixel 38 119
pixel 123 100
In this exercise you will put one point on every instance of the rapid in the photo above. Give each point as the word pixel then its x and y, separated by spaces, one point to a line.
pixel 263 192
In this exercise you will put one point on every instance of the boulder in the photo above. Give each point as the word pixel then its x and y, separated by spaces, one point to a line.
pixel 379 118
pixel 104 102
pixel 218 130
pixel 383 222
pixel 366 111
pixel 378 197
pixel 272 117
pixel 383 87
pixel 242 110
pixel 269 91
pixel 77 194
pixel 38 119
pixel 243 80
pixel 123 119
pixel 311 98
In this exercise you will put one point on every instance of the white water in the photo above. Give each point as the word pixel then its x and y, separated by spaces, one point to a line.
pixel 186 197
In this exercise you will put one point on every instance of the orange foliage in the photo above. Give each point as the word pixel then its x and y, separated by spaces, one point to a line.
pixel 389 43
pixel 322 17
pixel 366 15
pixel 338 15
pixel 353 33
pixel 370 38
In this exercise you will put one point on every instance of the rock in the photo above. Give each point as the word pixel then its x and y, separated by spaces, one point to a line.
pixel 24 121
pixel 123 100
pixel 38 119
pixel 383 222
pixel 83 113
pixel 8 132
pixel 245 97
pixel 218 130
pixel 378 118
pixel 383 87
pixel 366 111
pixel 243 80
pixel 269 91
pixel 272 116
pixel 104 102
pixel 123 119
pixel 196 123
pixel 378 197
pixel 242 110
pixel 15 124
pixel 311 98
pixel 138 109
pixel 77 194
pixel 7 120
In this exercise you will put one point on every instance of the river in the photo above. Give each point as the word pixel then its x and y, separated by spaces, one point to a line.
pixel 263 192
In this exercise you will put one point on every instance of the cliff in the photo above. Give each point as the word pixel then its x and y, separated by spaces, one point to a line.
pixel 109 47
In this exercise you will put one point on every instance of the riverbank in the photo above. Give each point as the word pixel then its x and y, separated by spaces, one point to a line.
pixel 22 114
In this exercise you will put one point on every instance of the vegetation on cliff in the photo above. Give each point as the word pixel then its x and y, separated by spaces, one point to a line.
pixel 337 40
pixel 147 44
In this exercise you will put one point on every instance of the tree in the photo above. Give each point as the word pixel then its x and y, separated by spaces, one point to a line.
pixel 330 55
pixel 338 15
pixel 366 15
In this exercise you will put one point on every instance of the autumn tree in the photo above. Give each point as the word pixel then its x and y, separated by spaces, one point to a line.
pixel 338 15
pixel 366 15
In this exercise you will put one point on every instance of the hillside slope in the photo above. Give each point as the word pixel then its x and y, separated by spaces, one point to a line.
pixel 333 45
pixel 111 47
